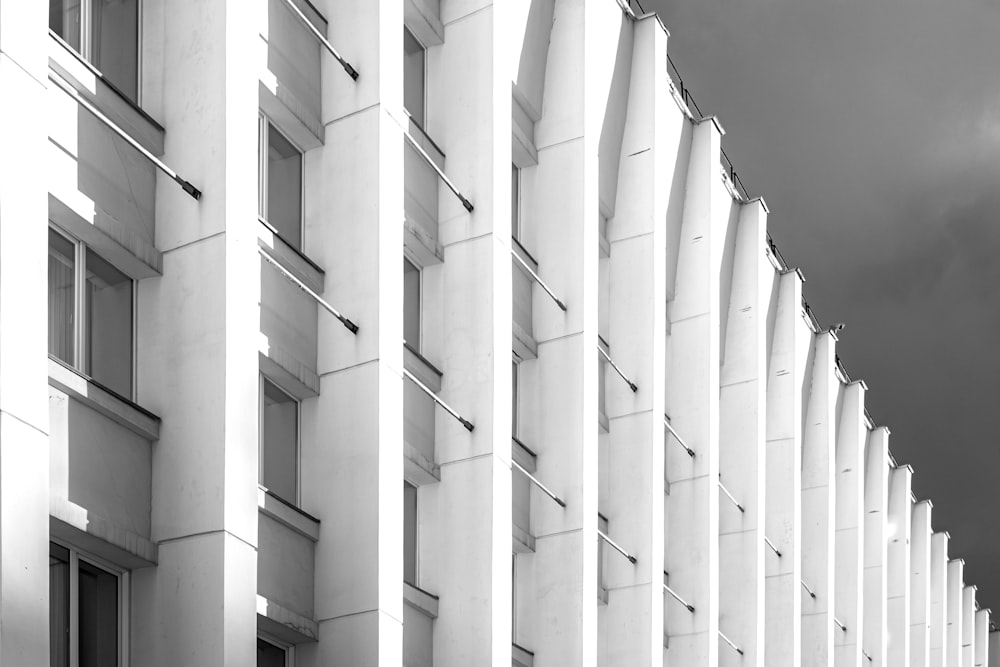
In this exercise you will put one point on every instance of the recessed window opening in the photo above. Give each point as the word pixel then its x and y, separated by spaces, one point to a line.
pixel 411 304
pixel 279 442
pixel 106 34
pixel 515 202
pixel 91 305
pixel 280 186
pixel 273 654
pixel 409 533
pixel 414 75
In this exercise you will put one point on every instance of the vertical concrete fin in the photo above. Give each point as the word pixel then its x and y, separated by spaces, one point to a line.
pixel 876 528
pixel 982 647
pixel 898 566
pixel 742 410
pixel 782 525
pixel 968 625
pixel 819 504
pixel 920 584
pixel 852 434
pixel 955 613
pixel 939 629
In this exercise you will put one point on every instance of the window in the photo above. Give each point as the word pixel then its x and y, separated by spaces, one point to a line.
pixel 272 654
pixel 86 610
pixel 513 402
pixel 279 442
pixel 106 34
pixel 413 77
pixel 515 201
pixel 280 187
pixel 602 565
pixel 411 304
pixel 90 313
pixel 409 533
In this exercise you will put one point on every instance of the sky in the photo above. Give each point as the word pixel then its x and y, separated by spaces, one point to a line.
pixel 872 130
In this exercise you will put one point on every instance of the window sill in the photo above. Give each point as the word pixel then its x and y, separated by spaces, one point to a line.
pixel 117 408
pixel 521 656
pixel 290 258
pixel 523 455
pixel 421 600
pixel 522 542
pixel 524 345
pixel 424 370
pixel 417 468
pixel 96 89
pixel 287 514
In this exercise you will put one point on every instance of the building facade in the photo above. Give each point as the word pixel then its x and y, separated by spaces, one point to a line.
pixel 420 332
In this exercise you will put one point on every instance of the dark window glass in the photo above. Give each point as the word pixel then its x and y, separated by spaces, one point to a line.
pixel 411 304
pixel 409 533
pixel 284 187
pixel 279 442
pixel 98 591
pixel 413 77
pixel 58 606
pixel 62 296
pixel 64 20
pixel 109 325
pixel 269 655
pixel 515 200
pixel 115 43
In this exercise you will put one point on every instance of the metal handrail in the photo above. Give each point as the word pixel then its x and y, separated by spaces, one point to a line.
pixel 541 486
pixel 680 440
pixel 730 642
pixel 722 487
pixel 810 591
pixel 633 386
pixel 351 326
pixel 839 624
pixel 538 280
pixel 769 543
pixel 688 605
pixel 632 559
pixel 64 85
pixel 437 399
pixel 353 73
pixel 433 165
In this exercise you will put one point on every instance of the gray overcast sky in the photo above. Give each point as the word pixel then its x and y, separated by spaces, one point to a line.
pixel 872 129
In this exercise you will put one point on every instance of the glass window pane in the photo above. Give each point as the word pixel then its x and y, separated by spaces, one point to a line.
pixel 409 533
pixel 115 43
pixel 413 77
pixel 411 304
pixel 109 325
pixel 513 402
pixel 279 442
pixel 58 606
pixel 284 187
pixel 269 655
pixel 64 20
pixel 515 198
pixel 62 296
pixel 98 599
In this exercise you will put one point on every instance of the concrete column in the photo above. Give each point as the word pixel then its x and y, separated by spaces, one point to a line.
pixel 852 433
pixel 982 648
pixel 939 629
pixel 637 320
pixel 24 416
pixel 790 348
pixel 742 411
pixel 877 471
pixel 968 625
pixel 955 615
pixel 692 401
pixel 352 467
pixel 199 366
pixel 920 584
pixel 819 505
pixel 898 566
pixel 469 115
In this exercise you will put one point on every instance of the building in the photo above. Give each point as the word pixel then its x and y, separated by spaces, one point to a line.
pixel 212 430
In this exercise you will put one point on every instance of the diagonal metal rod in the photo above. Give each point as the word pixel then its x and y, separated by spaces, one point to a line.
pixel 83 102
pixel 351 326
pixel 614 545
pixel 839 624
pixel 538 280
pixel 689 606
pixel 437 399
pixel 865 653
pixel 433 165
pixel 730 642
pixel 722 487
pixel 769 543
pixel 810 591
pixel 353 73
pixel 632 385
pixel 541 486
pixel 680 441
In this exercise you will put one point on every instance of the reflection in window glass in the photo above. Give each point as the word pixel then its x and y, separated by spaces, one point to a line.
pixel 58 606
pixel 115 43
pixel 64 20
pixel 515 200
pixel 409 533
pixel 411 304
pixel 284 187
pixel 98 600
pixel 279 442
pixel 109 325
pixel 62 296
pixel 269 655
pixel 413 77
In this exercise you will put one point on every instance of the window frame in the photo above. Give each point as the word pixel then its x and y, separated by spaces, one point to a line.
pixel 264 123
pixel 81 334
pixel 289 649
pixel 124 595
pixel 86 48
pixel 297 500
